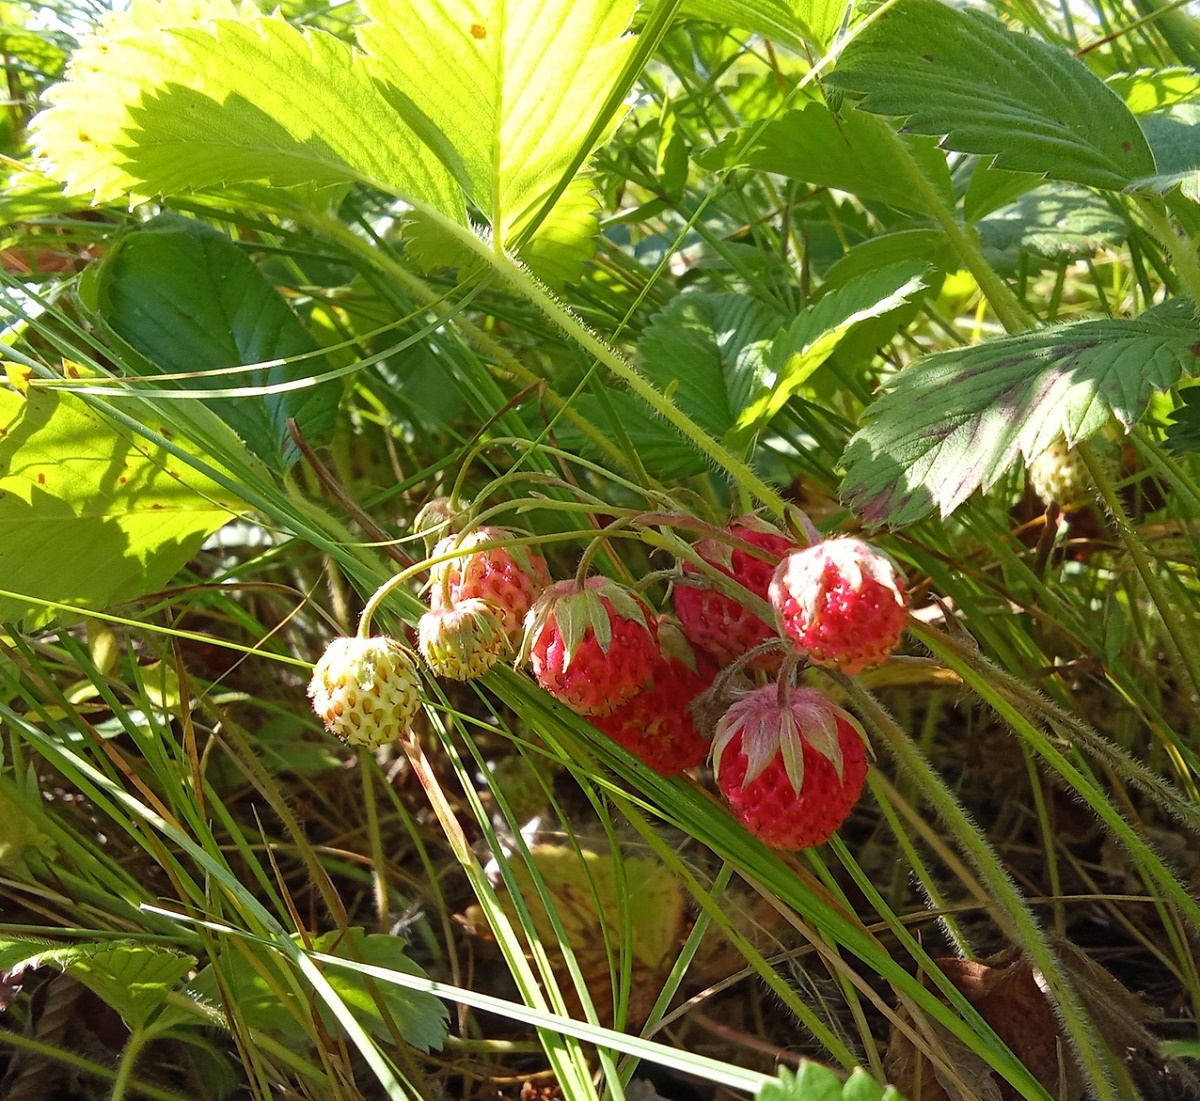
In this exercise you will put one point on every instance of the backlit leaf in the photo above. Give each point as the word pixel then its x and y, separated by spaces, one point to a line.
pixel 174 97
pixel 961 74
pixel 503 91
pixel 90 514
pixel 566 238
pixel 1153 89
pixel 959 419
pixel 784 21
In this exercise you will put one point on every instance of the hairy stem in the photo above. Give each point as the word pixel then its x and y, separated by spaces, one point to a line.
pixel 1180 630
pixel 1011 911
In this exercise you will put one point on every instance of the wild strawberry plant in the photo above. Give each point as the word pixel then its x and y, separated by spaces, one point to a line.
pixel 496 333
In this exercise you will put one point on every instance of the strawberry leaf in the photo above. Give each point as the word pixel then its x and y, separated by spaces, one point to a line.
pixel 1183 433
pixel 660 447
pixel 1054 222
pixel 504 92
pixel 958 420
pixel 133 979
pixel 184 95
pixel 1153 89
pixel 709 351
pixel 963 75
pixel 591 901
pixel 90 513
pixel 187 299
pixel 801 348
pixel 855 153
pixel 419 1017
pixel 1174 135
pixel 789 22
pixel 566 238
pixel 813 1082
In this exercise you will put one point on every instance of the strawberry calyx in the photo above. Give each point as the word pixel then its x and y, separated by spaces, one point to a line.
pixel 576 610
pixel 770 721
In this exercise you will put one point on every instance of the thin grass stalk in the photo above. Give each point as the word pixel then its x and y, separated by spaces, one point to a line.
pixel 1011 910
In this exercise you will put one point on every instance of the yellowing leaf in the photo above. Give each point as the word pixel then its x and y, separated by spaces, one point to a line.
pixel 91 514
pixel 504 91
pixel 584 893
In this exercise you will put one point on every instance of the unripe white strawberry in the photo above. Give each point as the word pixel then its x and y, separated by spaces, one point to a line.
pixel 1059 474
pixel 464 640
pixel 366 690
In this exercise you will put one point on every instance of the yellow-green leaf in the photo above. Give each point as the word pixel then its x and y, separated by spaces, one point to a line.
pixel 180 96
pixel 90 513
pixel 504 91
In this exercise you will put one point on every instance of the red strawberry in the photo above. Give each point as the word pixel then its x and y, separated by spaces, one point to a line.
pixel 656 725
pixel 594 647
pixel 716 623
pixel 509 578
pixel 842 602
pixel 792 769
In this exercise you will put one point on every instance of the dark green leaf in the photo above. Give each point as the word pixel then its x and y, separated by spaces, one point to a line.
pixel 857 153
pixel 660 447
pixel 989 90
pixel 1174 135
pixel 1053 222
pixel 708 350
pixel 959 419
pixel 889 249
pixel 189 300
pixel 1183 433
pixel 991 188
pixel 420 1018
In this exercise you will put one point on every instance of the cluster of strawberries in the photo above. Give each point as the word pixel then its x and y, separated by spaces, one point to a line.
pixel 790 762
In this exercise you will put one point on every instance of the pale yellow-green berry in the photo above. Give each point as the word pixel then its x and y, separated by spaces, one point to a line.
pixel 366 690
pixel 1060 475
pixel 463 640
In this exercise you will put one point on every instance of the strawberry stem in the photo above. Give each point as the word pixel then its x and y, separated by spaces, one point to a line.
pixel 1011 909
pixel 787 676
